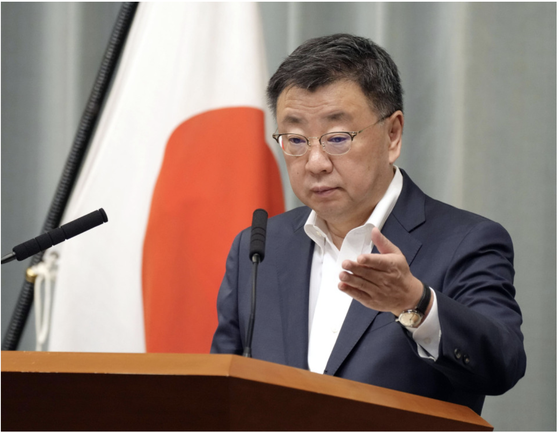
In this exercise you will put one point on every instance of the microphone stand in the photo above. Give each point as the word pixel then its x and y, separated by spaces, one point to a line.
pixel 249 339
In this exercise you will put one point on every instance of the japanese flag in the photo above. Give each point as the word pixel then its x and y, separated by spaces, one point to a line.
pixel 179 162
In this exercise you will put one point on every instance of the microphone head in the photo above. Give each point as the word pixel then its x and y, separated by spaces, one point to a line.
pixel 103 215
pixel 258 234
pixel 84 223
pixel 58 235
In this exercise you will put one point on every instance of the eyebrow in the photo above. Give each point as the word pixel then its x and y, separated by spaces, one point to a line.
pixel 291 120
pixel 339 115
pixel 335 116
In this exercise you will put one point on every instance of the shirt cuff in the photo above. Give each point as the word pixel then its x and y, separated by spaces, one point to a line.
pixel 428 334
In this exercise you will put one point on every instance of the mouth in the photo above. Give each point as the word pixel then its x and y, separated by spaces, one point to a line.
pixel 323 191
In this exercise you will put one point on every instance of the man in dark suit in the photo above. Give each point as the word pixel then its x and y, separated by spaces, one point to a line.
pixel 373 280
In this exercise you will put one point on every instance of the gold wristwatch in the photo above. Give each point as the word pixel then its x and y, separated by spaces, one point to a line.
pixel 412 318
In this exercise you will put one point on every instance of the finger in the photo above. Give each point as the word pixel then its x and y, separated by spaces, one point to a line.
pixel 356 293
pixel 384 246
pixel 364 279
pixel 378 262
pixel 355 281
pixel 372 282
pixel 369 298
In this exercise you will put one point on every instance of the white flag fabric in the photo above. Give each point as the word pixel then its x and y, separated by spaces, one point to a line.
pixel 173 161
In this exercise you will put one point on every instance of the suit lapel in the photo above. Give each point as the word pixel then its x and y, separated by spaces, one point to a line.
pixel 293 278
pixel 407 215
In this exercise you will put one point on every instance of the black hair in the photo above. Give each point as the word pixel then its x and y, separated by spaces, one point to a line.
pixel 325 60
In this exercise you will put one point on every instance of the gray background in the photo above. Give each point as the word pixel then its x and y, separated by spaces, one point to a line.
pixel 480 131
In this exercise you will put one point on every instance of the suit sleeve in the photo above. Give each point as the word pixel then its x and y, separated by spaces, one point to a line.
pixel 227 338
pixel 481 348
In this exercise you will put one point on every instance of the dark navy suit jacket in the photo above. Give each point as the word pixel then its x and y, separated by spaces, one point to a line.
pixel 465 258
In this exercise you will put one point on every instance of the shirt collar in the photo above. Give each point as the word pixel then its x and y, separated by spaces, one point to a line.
pixel 316 228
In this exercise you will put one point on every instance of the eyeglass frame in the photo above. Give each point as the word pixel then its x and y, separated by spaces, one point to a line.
pixel 352 134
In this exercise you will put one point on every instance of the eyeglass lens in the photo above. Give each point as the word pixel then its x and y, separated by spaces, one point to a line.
pixel 334 143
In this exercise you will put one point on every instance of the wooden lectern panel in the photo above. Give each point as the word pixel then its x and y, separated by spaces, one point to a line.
pixel 99 391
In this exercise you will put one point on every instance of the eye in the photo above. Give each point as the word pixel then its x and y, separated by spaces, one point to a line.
pixel 295 140
pixel 338 139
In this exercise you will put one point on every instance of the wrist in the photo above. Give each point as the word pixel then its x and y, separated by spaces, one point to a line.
pixel 412 318
pixel 413 299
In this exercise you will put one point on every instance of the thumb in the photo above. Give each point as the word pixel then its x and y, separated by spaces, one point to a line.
pixel 384 246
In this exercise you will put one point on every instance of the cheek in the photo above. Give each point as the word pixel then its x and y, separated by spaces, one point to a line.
pixel 360 176
pixel 295 171
pixel 296 164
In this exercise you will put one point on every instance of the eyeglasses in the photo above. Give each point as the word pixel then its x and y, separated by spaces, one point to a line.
pixel 334 143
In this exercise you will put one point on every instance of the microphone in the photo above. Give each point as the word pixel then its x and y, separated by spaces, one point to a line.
pixel 256 255
pixel 56 236
pixel 258 234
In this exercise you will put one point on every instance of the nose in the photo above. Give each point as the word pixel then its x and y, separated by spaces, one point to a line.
pixel 318 159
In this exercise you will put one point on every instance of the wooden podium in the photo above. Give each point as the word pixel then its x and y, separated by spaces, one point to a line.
pixel 98 391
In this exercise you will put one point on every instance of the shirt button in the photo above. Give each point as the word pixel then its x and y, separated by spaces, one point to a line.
pixel 427 341
pixel 334 330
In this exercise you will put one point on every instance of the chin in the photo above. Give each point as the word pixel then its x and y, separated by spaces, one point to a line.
pixel 328 212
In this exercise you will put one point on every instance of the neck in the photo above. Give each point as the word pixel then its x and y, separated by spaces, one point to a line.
pixel 338 231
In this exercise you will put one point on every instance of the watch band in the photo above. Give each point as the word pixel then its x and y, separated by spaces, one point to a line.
pixel 424 300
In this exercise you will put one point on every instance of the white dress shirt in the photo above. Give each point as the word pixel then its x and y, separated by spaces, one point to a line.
pixel 328 305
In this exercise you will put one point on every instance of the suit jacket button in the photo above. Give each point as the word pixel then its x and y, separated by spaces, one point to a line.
pixel 457 353
pixel 466 359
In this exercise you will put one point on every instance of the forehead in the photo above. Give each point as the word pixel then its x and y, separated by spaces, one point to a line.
pixel 336 102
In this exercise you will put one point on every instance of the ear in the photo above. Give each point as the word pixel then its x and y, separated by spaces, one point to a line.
pixel 395 125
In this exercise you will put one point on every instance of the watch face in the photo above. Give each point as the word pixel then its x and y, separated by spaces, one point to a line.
pixel 410 318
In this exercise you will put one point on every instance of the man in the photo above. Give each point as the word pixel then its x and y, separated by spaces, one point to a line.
pixel 373 280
